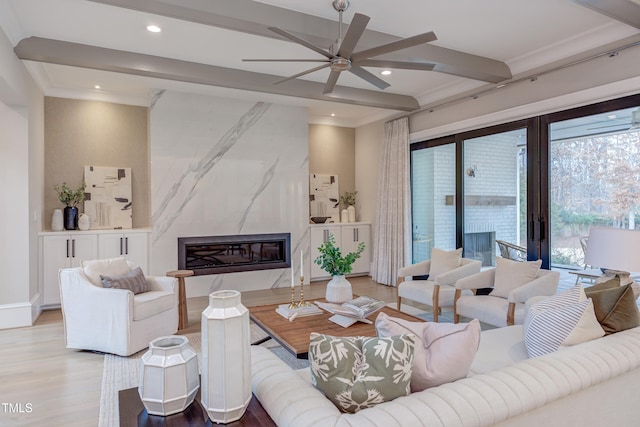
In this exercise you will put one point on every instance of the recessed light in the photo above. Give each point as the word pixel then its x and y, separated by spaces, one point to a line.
pixel 333 114
pixel 612 116
pixel 154 28
pixel 385 72
pixel 96 87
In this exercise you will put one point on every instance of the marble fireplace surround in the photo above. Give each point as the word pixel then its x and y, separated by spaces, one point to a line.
pixel 227 167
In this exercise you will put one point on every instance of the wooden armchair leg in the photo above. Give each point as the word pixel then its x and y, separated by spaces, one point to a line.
pixel 456 316
pixel 399 300
pixel 511 313
pixel 436 302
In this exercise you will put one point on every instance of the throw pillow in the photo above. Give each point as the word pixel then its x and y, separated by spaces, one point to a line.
pixel 512 274
pixel 133 281
pixel 443 261
pixel 564 319
pixel 443 352
pixel 615 306
pixel 359 372
pixel 109 267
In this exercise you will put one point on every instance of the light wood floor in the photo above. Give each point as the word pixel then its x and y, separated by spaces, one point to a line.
pixel 62 386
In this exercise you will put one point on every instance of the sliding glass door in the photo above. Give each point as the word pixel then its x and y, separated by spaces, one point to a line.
pixel 530 189
pixel 594 175
pixel 433 179
pixel 495 196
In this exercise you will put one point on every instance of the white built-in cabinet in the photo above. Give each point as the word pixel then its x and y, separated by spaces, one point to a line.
pixel 347 237
pixel 65 249
pixel 133 245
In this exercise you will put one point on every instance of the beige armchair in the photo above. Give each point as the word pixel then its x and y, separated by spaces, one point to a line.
pixel 436 292
pixel 497 310
pixel 115 320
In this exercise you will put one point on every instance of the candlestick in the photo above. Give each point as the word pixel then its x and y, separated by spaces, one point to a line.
pixel 301 265
pixel 302 302
pixel 292 282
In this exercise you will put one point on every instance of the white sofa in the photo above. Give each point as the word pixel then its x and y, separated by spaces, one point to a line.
pixel 596 383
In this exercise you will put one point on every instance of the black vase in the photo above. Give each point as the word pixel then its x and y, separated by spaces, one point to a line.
pixel 70 218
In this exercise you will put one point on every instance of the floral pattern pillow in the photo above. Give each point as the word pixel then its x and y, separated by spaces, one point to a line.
pixel 359 372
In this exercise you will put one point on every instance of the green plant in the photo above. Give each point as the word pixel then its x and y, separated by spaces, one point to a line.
pixel 331 259
pixel 348 198
pixel 69 197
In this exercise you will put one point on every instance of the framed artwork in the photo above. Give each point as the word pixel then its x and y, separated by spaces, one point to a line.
pixel 324 196
pixel 108 197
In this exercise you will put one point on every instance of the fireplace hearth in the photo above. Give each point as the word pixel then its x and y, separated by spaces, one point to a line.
pixel 229 254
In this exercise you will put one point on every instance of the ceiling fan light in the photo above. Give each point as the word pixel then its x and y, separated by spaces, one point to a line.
pixel 340 64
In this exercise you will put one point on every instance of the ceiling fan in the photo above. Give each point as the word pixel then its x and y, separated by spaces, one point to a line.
pixel 341 56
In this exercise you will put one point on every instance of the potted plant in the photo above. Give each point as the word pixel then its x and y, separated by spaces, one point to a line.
pixel 338 266
pixel 348 200
pixel 70 199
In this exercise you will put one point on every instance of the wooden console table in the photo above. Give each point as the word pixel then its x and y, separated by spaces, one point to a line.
pixel 183 317
pixel 133 414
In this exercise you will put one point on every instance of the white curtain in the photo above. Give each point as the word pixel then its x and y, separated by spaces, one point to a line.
pixel 393 222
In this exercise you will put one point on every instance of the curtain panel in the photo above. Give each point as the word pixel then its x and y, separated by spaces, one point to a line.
pixel 393 221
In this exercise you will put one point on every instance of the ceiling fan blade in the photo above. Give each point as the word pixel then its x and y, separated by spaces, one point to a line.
pixel 331 82
pixel 371 78
pixel 354 32
pixel 402 65
pixel 394 46
pixel 300 41
pixel 295 76
pixel 284 60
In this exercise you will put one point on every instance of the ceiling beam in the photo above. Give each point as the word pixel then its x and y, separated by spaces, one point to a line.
pixel 252 17
pixel 627 11
pixel 85 56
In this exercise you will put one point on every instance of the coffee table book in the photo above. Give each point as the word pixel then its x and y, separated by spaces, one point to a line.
pixel 285 311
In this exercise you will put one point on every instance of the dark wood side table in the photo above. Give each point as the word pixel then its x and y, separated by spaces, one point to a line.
pixel 133 414
pixel 183 318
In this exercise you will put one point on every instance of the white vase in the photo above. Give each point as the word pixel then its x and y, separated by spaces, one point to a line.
pixel 338 290
pixel 344 215
pixel 352 213
pixel 57 223
pixel 83 222
pixel 226 357
pixel 169 378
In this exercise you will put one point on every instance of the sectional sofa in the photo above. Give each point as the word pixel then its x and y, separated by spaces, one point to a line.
pixel 596 383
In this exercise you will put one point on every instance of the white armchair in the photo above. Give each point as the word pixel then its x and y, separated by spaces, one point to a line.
pixel 437 292
pixel 497 310
pixel 115 320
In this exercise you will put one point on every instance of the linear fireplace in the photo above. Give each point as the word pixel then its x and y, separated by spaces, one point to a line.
pixel 229 254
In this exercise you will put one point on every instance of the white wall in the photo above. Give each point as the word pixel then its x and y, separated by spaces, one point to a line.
pixel 367 163
pixel 22 166
pixel 228 167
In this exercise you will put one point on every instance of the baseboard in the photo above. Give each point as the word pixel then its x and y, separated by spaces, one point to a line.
pixel 16 315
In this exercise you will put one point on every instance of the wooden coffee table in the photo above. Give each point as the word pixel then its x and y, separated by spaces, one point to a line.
pixel 294 335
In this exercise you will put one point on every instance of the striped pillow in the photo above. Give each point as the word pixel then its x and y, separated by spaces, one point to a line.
pixel 565 319
pixel 133 281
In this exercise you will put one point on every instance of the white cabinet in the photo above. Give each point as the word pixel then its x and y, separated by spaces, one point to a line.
pixel 63 251
pixel 347 237
pixel 134 245
pixel 352 236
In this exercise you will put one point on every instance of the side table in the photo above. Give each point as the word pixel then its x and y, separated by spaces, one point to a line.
pixel 183 318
